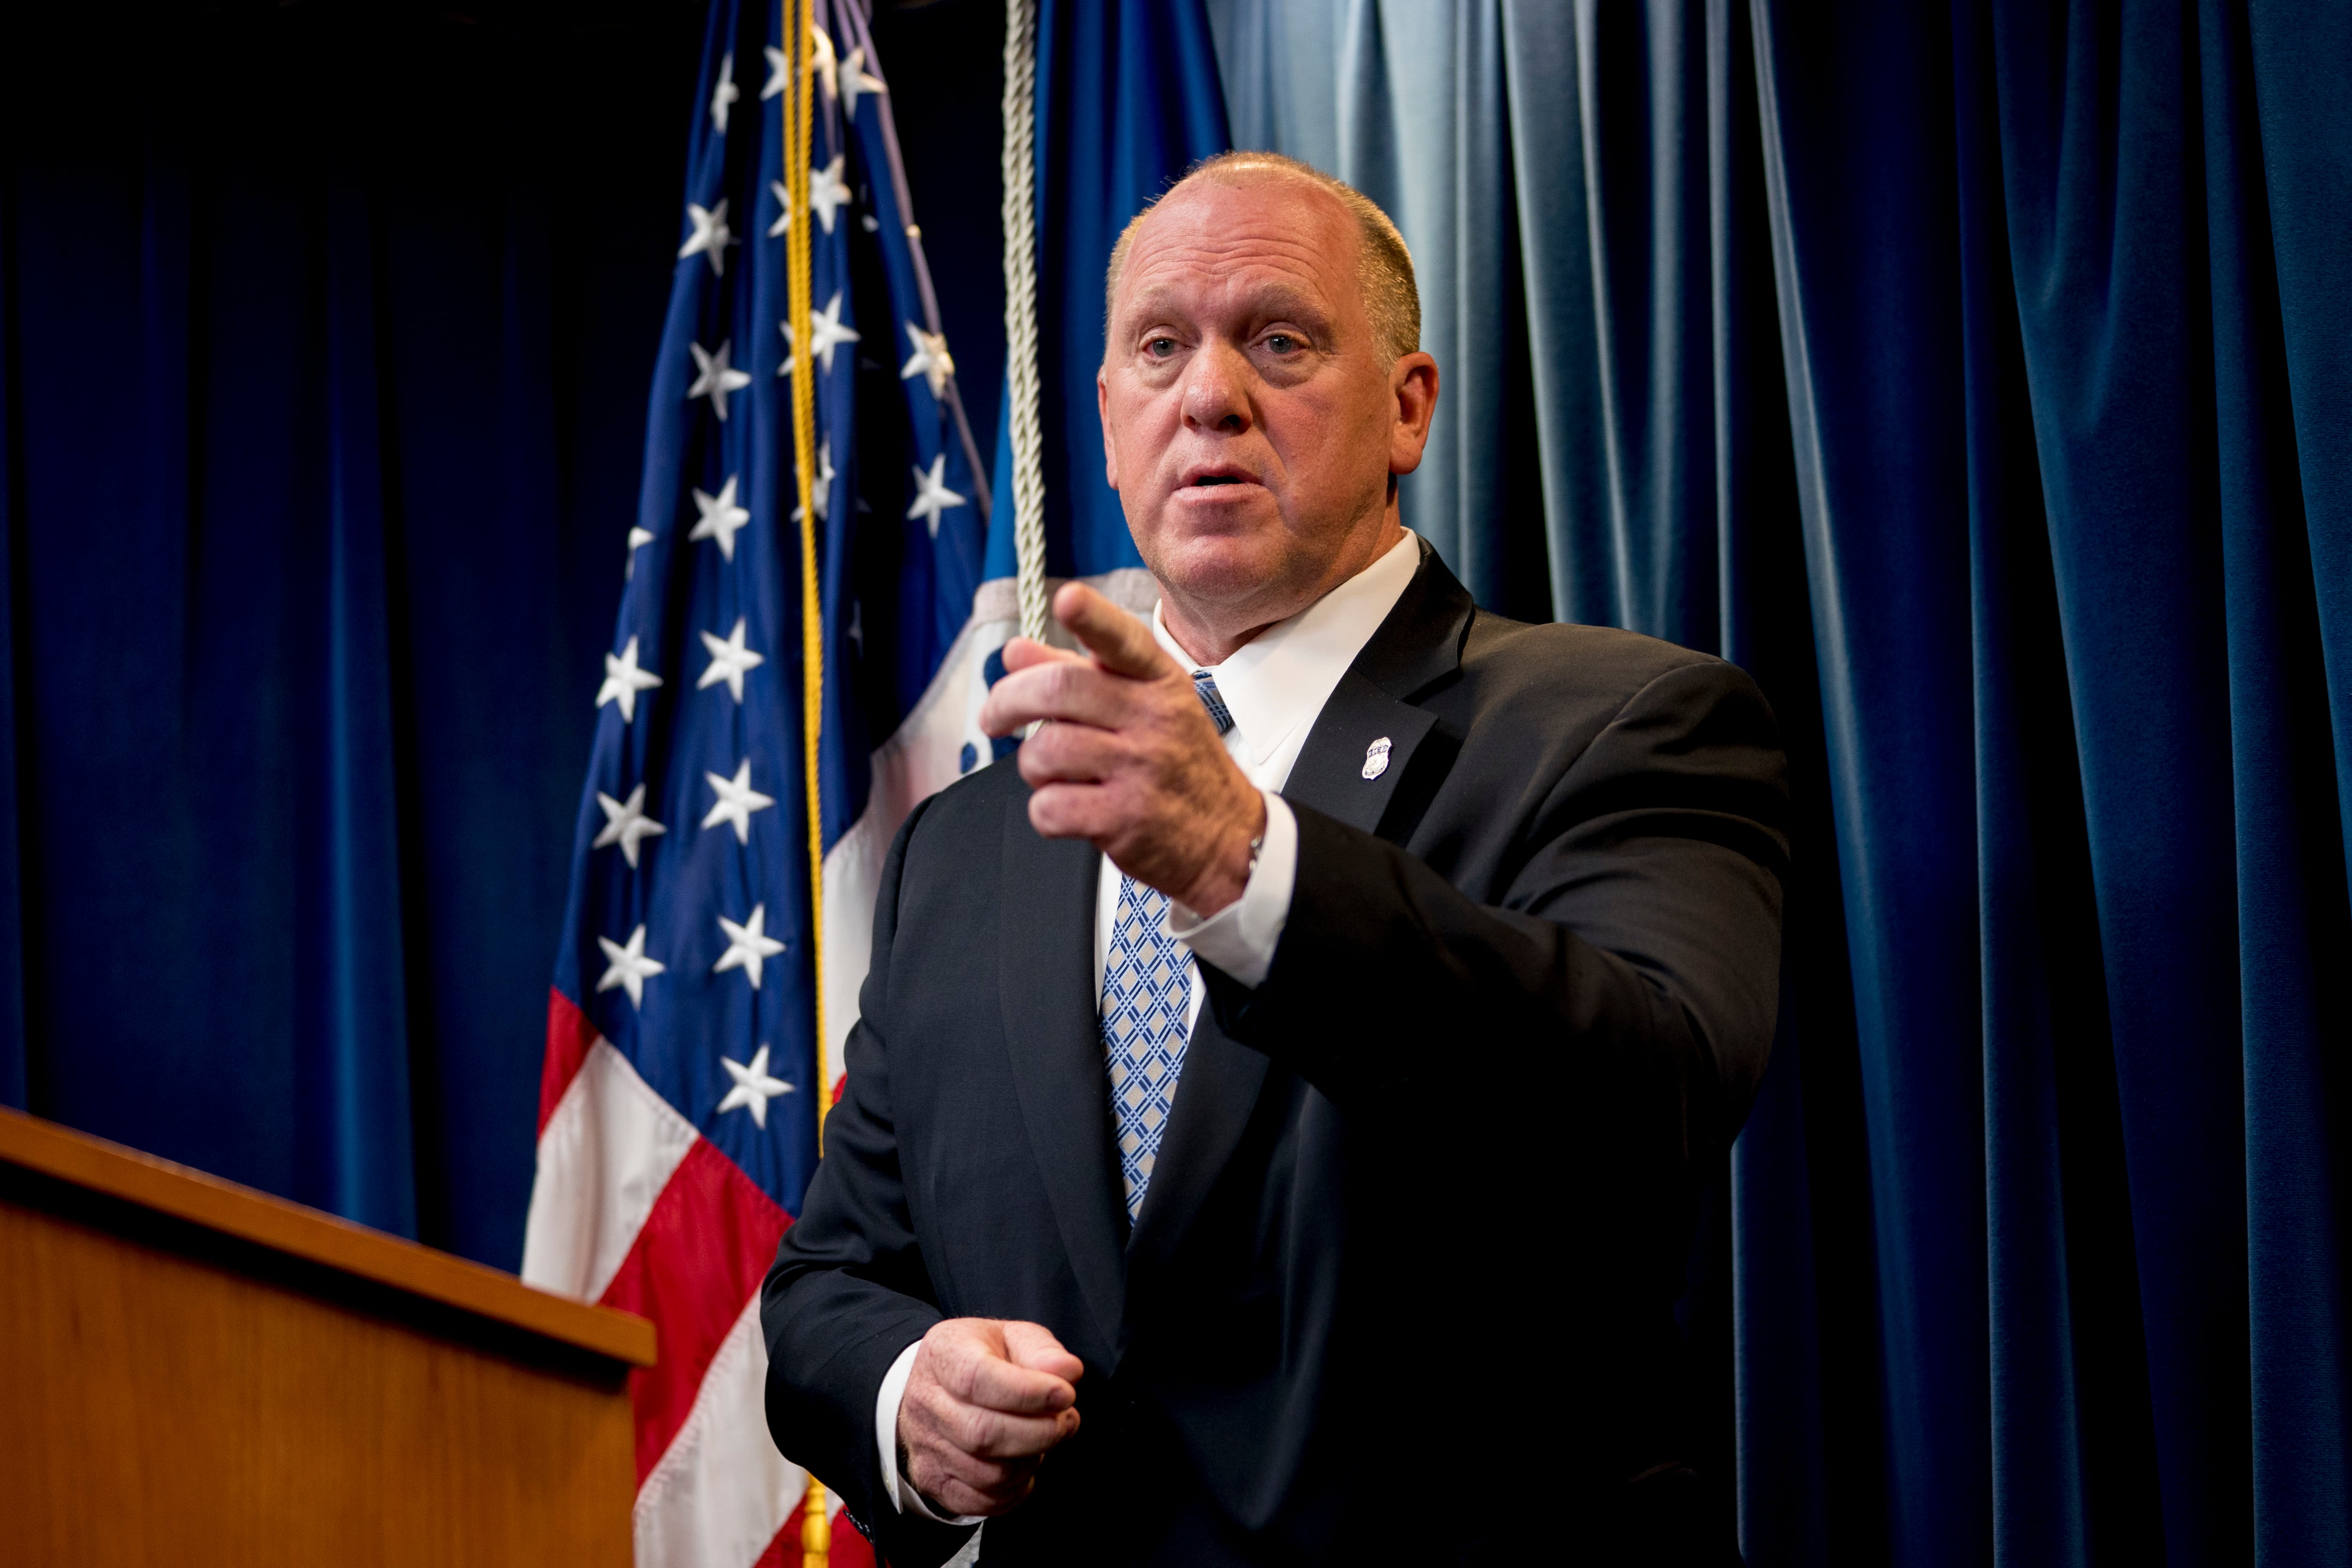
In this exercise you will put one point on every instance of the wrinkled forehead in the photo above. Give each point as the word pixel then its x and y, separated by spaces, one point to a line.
pixel 1265 241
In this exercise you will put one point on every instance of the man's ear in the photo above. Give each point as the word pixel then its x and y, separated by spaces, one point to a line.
pixel 1102 411
pixel 1413 386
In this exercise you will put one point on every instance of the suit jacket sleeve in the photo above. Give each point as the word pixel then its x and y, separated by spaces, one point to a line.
pixel 1627 981
pixel 848 1291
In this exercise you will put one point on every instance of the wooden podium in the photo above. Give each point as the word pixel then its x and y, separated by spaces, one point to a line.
pixel 193 1373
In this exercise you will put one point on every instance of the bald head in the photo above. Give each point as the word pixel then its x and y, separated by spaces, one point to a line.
pixel 1392 300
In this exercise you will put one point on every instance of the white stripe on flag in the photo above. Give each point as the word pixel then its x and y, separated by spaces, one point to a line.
pixel 607 1153
pixel 720 1490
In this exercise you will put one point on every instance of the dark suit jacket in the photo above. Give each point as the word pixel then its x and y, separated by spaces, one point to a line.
pixel 1402 1285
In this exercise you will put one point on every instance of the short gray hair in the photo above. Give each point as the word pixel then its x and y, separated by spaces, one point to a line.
pixel 1384 267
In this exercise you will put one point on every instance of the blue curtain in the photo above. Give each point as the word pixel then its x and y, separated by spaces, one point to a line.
pixel 1976 375
pixel 319 422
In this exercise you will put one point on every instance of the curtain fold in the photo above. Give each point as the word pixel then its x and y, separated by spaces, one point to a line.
pixel 353 1132
pixel 16 1061
pixel 1976 375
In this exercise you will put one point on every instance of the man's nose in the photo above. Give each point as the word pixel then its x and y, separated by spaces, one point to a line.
pixel 1216 389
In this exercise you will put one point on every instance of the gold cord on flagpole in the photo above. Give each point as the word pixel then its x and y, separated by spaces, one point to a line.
pixel 800 124
pixel 799 119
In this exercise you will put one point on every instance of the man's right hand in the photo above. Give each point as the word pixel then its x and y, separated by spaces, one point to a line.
pixel 984 1401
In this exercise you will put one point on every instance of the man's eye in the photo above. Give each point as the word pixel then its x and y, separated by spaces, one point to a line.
pixel 1160 348
pixel 1283 343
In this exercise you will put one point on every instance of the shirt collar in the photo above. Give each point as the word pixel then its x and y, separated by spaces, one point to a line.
pixel 1280 678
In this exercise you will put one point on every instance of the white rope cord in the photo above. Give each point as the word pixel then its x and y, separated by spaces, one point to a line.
pixel 1020 171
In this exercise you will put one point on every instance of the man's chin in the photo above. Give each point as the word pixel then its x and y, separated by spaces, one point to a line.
pixel 1220 566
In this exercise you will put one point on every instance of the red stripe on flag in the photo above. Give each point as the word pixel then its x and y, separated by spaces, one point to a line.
pixel 850 1549
pixel 570 1036
pixel 697 1259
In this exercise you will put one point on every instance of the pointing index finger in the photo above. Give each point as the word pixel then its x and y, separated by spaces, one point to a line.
pixel 1120 642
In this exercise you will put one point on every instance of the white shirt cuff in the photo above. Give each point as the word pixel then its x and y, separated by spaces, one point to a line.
pixel 1240 937
pixel 904 1497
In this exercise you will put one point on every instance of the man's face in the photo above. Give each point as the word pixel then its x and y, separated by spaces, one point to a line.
pixel 1249 424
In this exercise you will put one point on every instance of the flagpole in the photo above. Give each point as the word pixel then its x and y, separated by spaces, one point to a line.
pixel 799 126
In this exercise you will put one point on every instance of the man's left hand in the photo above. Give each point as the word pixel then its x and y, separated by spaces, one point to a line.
pixel 1127 757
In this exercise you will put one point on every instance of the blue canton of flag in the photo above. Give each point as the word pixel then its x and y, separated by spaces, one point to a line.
pixel 679 1104
pixel 689 912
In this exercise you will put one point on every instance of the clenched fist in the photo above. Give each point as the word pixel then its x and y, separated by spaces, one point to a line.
pixel 984 1402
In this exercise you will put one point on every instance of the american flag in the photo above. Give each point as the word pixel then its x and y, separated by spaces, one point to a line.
pixel 679 1109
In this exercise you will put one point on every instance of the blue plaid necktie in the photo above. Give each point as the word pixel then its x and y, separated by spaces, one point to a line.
pixel 1147 991
pixel 1205 686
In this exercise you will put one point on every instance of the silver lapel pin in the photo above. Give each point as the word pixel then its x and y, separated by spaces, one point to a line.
pixel 1376 758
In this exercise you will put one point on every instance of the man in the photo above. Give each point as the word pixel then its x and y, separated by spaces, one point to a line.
pixel 1273 1125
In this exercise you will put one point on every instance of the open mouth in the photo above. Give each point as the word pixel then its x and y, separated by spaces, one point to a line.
pixel 1212 479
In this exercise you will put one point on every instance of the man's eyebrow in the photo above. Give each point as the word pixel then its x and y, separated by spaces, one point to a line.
pixel 1273 299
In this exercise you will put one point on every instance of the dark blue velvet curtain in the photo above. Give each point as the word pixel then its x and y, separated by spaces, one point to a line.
pixel 323 343
pixel 2111 1234
pixel 1976 374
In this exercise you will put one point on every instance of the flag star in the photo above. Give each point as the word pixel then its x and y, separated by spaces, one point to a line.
pixel 729 661
pixel 828 192
pixel 714 378
pixel 931 358
pixel 825 334
pixel 855 81
pixel 749 945
pixel 721 517
pixel 784 222
pixel 822 61
pixel 933 495
pixel 723 97
pixel 624 681
pixel 821 488
pixel 626 824
pixel 754 1088
pixel 737 802
pixel 637 538
pixel 630 968
pixel 711 236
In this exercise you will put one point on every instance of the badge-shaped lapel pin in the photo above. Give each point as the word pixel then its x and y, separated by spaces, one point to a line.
pixel 1376 758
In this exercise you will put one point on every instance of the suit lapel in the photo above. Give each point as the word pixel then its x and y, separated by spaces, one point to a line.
pixel 1045 989
pixel 1418 646
pixel 1359 725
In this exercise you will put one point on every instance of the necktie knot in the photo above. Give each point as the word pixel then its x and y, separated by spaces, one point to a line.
pixel 1205 686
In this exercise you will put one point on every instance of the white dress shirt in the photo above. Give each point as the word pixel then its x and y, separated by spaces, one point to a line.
pixel 1275 685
